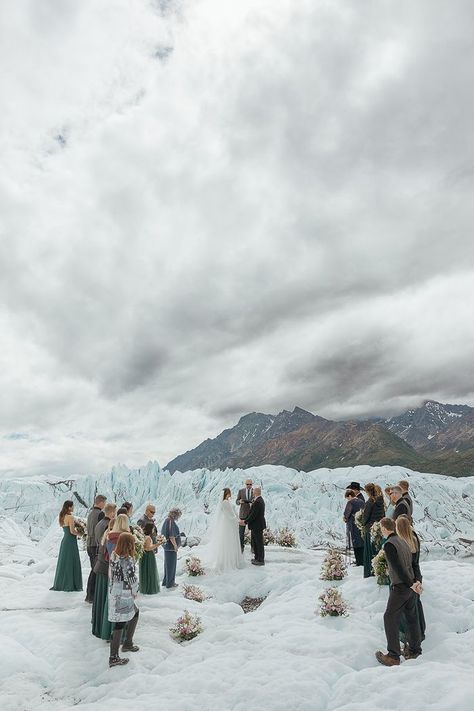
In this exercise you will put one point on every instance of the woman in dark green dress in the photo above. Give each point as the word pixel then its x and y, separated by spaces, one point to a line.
pixel 374 510
pixel 68 576
pixel 149 583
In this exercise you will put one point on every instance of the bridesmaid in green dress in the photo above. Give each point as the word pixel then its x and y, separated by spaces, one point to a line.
pixel 149 582
pixel 68 576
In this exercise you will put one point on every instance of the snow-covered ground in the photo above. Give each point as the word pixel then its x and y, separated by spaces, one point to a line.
pixel 281 656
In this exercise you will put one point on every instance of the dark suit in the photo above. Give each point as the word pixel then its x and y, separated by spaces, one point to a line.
pixel 244 499
pixel 257 524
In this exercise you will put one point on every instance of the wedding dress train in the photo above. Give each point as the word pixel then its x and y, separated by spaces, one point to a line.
pixel 227 554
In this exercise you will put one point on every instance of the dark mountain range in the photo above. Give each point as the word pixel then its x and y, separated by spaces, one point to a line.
pixel 432 438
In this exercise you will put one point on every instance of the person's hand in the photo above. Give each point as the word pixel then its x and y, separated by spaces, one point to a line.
pixel 419 587
pixel 414 587
pixel 241 523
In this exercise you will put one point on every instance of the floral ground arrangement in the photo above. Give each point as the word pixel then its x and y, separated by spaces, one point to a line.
pixel 332 604
pixel 187 627
pixel 194 567
pixel 333 567
pixel 193 592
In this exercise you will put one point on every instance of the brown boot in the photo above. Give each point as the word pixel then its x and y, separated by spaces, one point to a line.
pixel 387 660
pixel 408 654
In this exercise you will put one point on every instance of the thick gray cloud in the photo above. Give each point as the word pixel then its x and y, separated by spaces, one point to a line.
pixel 210 208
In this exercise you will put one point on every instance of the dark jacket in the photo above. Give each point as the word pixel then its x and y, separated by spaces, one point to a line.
pixel 360 496
pixel 102 562
pixel 353 533
pixel 416 560
pixel 256 518
pixel 399 561
pixel 406 497
pixel 374 510
pixel 95 515
pixel 402 507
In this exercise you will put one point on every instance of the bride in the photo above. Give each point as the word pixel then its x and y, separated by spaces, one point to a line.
pixel 227 554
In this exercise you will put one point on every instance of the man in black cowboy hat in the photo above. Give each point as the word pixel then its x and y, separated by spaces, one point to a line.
pixel 355 486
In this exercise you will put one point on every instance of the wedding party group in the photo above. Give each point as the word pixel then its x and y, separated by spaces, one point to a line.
pixel 114 545
pixel 385 523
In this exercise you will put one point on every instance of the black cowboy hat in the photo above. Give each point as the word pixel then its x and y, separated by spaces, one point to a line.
pixel 354 485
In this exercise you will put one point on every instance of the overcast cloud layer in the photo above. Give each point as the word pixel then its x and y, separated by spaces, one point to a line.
pixel 210 207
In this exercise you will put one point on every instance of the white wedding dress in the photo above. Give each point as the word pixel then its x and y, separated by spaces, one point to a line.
pixel 226 552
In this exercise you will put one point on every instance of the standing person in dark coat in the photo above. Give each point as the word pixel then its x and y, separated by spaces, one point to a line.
pixel 354 537
pixel 170 531
pixel 404 486
pixel 374 510
pixel 257 524
pixel 95 515
pixel 402 506
pixel 402 598
pixel 244 500
pixel 355 486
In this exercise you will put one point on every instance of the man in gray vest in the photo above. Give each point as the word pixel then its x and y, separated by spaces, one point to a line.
pixel 244 500
pixel 400 504
pixel 402 597
pixel 95 515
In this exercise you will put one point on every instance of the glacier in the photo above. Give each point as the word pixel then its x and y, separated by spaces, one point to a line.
pixel 282 656
pixel 310 503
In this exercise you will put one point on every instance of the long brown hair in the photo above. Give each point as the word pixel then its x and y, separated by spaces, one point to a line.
pixel 405 531
pixel 125 547
pixel 371 491
pixel 227 492
pixel 66 509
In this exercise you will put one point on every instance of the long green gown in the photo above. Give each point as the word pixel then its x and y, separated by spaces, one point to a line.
pixel 68 576
pixel 149 583
pixel 101 627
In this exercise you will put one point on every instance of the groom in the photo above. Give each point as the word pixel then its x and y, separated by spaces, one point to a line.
pixel 257 524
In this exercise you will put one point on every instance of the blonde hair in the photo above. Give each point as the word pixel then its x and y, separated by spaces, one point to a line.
pixel 405 531
pixel 107 531
pixel 121 524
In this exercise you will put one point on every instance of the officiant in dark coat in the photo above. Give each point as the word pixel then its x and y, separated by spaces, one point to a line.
pixel 257 524
pixel 244 500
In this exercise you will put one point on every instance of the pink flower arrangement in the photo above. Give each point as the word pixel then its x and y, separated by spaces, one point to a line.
pixel 333 567
pixel 186 627
pixel 333 604
pixel 80 527
pixel 286 538
pixel 376 535
pixel 194 566
pixel 193 592
pixel 268 537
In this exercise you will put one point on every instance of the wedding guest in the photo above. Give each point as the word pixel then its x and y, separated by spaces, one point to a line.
pixel 68 577
pixel 257 524
pixel 401 505
pixel 149 583
pixel 404 486
pixel 389 507
pixel 148 517
pixel 93 518
pixel 374 510
pixel 101 627
pixel 355 486
pixel 402 597
pixel 406 532
pixel 244 500
pixel 354 537
pixel 170 531
pixel 122 593
pixel 121 525
pixel 129 507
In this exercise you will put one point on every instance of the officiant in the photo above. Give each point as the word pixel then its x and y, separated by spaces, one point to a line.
pixel 245 498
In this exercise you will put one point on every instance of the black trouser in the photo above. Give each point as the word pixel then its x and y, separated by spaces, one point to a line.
pixel 130 628
pixel 92 552
pixel 242 536
pixel 359 555
pixel 257 545
pixel 401 599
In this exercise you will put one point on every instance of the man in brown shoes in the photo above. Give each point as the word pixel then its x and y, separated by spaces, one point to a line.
pixel 402 598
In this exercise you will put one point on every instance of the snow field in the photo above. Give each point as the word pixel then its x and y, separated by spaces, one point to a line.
pixel 282 656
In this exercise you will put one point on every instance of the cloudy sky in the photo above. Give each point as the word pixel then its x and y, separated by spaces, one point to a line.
pixel 210 207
